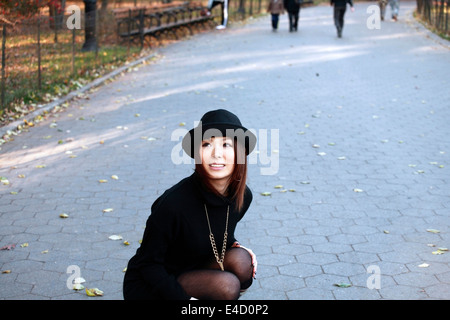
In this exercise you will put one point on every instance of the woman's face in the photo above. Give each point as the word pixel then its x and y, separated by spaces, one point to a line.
pixel 217 154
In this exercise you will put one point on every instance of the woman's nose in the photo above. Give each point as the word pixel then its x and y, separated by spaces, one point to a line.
pixel 217 152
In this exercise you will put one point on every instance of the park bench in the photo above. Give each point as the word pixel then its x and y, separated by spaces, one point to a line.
pixel 139 24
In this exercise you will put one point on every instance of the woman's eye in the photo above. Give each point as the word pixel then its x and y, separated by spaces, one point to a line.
pixel 206 144
pixel 227 145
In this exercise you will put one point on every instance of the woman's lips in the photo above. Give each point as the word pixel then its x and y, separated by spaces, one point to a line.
pixel 217 166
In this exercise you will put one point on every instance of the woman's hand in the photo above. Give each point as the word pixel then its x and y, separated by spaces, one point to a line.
pixel 252 254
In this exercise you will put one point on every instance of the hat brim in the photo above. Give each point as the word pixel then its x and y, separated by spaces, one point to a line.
pixel 195 136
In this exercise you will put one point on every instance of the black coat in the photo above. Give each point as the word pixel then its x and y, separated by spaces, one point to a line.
pixel 292 6
pixel 176 239
pixel 341 3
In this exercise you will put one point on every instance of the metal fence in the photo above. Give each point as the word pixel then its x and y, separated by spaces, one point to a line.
pixel 436 14
pixel 43 59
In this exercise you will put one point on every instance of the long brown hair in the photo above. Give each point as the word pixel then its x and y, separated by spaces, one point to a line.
pixel 238 179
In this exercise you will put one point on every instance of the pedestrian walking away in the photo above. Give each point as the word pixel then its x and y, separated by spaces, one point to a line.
pixel 224 11
pixel 275 8
pixel 382 4
pixel 394 9
pixel 293 9
pixel 340 6
pixel 189 250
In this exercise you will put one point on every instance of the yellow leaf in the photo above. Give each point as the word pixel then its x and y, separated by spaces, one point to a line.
pixel 126 243
pixel 102 181
pixel 433 230
pixel 279 186
pixel 108 210
pixel 114 177
pixel 63 215
pixel 265 194
pixel 24 245
pixel 6 271
pixel 94 292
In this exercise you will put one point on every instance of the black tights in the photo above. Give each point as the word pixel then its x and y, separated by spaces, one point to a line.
pixel 213 284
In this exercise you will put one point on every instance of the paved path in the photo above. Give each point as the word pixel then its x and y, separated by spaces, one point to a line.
pixel 363 140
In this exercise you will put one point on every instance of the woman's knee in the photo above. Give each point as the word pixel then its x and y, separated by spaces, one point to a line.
pixel 229 287
pixel 239 262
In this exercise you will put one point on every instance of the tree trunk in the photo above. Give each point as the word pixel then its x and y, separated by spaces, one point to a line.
pixel 90 11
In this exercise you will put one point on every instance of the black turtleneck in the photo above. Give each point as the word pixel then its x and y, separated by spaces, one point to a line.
pixel 176 239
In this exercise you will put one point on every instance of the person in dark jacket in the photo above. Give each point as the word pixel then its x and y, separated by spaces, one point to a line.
pixel 340 7
pixel 189 250
pixel 293 9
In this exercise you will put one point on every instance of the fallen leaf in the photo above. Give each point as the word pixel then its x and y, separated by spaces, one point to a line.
pixel 115 237
pixel 358 190
pixel 279 186
pixel 342 285
pixel 108 210
pixel 423 265
pixel 265 194
pixel 6 271
pixel 78 286
pixel 8 247
pixel 102 180
pixel 438 252
pixel 94 292
pixel 64 215
pixel 44 252
pixel 433 230
pixel 24 245
pixel 114 177
pixel 126 243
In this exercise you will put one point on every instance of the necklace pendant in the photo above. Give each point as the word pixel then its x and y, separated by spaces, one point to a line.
pixel 221 266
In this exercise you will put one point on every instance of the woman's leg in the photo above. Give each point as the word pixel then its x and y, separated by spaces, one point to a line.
pixel 213 284
pixel 210 284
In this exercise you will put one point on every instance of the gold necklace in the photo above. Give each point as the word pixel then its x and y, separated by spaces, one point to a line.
pixel 213 241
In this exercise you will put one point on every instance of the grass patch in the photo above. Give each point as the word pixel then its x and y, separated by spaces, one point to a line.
pixel 64 68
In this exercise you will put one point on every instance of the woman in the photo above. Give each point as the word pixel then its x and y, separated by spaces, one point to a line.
pixel 275 8
pixel 189 250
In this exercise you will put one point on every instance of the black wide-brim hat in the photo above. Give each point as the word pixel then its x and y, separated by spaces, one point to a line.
pixel 218 123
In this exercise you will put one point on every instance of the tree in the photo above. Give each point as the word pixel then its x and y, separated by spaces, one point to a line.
pixel 90 11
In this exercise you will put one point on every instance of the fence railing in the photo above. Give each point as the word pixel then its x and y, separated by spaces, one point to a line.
pixel 42 59
pixel 436 13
